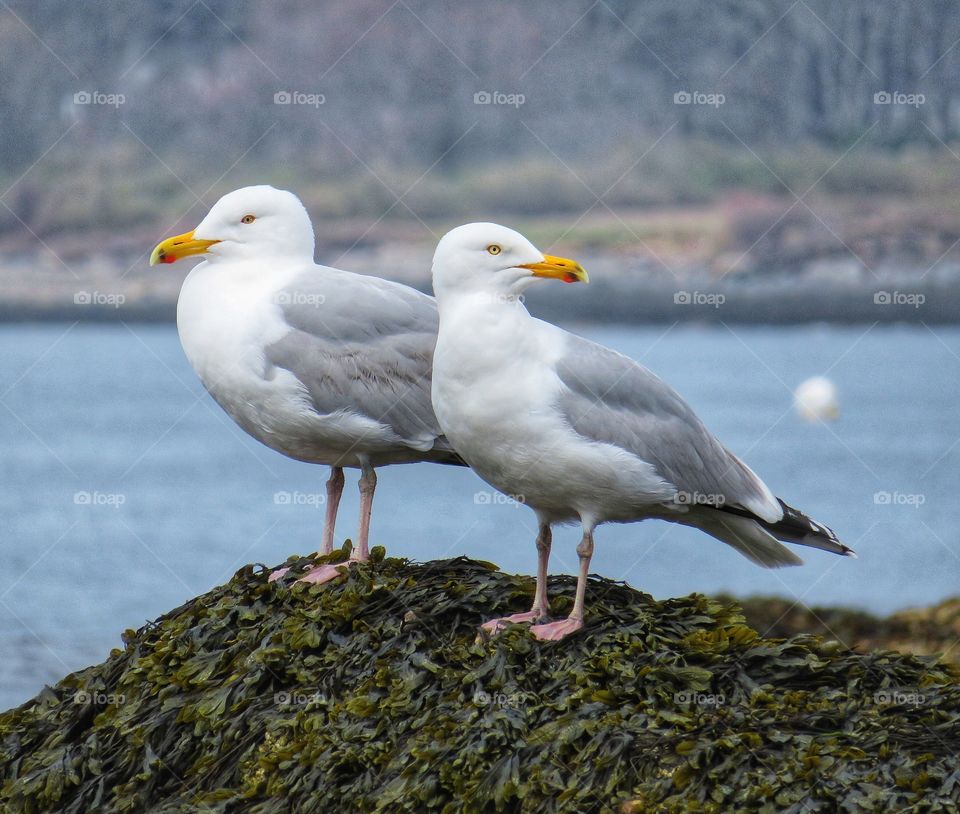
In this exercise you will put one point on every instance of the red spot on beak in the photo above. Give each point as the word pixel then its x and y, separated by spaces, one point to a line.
pixel 569 278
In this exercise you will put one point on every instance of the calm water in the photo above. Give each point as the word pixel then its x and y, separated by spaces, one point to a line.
pixel 180 497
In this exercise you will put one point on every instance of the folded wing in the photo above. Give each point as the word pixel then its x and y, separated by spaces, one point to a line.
pixel 609 397
pixel 363 345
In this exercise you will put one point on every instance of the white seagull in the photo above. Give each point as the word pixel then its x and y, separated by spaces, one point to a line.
pixel 320 364
pixel 579 432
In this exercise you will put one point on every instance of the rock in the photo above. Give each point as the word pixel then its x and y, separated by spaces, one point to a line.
pixel 371 694
pixel 921 631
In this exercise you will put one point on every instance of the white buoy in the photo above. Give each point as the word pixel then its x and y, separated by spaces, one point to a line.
pixel 816 400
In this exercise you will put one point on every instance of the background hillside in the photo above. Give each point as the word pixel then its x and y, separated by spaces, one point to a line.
pixel 702 140
pixel 398 80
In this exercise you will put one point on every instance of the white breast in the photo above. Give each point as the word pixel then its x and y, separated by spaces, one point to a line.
pixel 226 316
pixel 495 391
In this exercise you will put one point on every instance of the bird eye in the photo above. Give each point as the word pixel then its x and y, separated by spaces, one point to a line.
pixel 493 248
pixel 248 219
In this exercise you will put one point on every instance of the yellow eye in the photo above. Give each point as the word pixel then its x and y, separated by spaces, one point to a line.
pixel 248 219
pixel 493 248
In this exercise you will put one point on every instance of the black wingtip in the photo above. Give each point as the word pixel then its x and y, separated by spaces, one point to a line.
pixel 795 527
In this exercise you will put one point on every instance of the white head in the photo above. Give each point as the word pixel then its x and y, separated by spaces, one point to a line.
pixel 246 223
pixel 494 260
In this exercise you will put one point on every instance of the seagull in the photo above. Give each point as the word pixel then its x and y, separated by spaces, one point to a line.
pixel 319 364
pixel 579 432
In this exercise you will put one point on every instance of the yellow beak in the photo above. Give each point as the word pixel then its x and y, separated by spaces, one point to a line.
pixel 179 246
pixel 559 268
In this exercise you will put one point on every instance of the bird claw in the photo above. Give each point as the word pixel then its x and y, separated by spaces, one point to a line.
pixel 324 573
pixel 554 631
pixel 316 575
pixel 495 626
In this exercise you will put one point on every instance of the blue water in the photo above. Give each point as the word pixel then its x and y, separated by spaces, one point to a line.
pixel 115 412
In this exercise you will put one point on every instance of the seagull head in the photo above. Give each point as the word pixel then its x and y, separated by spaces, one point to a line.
pixel 244 224
pixel 484 258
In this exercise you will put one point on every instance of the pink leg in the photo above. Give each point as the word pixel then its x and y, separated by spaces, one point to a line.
pixel 540 602
pixel 544 540
pixel 368 485
pixel 552 631
pixel 334 490
pixel 324 573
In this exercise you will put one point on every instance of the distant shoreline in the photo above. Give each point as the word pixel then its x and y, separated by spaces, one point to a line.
pixel 759 303
pixel 719 263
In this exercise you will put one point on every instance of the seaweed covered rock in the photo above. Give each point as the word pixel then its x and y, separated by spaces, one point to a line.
pixel 373 694
pixel 923 631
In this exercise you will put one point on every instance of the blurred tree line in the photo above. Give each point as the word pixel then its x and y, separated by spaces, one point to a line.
pixel 486 91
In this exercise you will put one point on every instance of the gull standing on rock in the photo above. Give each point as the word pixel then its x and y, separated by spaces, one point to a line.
pixel 320 364
pixel 577 431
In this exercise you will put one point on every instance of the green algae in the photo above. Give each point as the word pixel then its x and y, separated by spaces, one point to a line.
pixel 933 630
pixel 373 694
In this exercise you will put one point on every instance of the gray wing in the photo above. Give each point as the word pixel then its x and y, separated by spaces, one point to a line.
pixel 364 345
pixel 610 398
